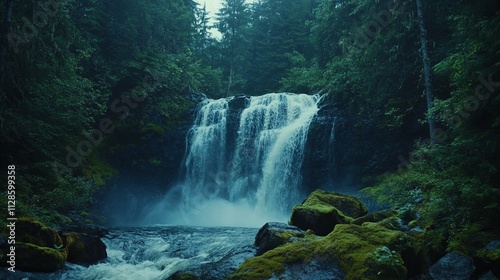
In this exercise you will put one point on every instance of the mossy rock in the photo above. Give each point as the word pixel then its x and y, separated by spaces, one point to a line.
pixel 375 217
pixel 322 210
pixel 363 252
pixel 272 235
pixel 30 257
pixel 31 231
pixel 84 248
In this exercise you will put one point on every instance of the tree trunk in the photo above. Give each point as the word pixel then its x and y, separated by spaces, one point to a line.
pixel 230 82
pixel 427 68
pixel 5 32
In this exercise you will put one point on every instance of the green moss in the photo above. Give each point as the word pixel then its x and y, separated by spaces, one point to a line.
pixel 322 210
pixel 324 202
pixel 489 255
pixel 375 217
pixel 273 262
pixel 34 232
pixel 31 257
pixel 354 247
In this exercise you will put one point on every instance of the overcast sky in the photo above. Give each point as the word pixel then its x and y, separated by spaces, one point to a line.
pixel 213 7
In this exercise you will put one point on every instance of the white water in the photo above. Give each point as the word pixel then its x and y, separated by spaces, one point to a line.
pixel 156 253
pixel 256 179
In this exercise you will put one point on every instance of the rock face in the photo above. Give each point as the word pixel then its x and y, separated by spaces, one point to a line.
pixel 272 235
pixel 322 210
pixel 343 149
pixel 452 266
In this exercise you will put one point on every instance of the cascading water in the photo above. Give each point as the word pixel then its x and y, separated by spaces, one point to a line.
pixel 248 180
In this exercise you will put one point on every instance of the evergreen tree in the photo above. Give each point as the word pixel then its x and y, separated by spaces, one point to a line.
pixel 232 23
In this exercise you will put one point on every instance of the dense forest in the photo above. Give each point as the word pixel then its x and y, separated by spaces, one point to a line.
pixel 82 79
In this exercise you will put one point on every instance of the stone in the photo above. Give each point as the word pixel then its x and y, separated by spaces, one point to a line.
pixel 454 266
pixel 84 248
pixel 30 257
pixel 322 210
pixel 272 235
pixel 317 269
pixel 239 102
pixel 350 252
pixel 34 232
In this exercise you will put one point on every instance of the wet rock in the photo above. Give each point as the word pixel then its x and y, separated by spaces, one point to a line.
pixel 346 149
pixel 84 248
pixel 316 269
pixel 454 266
pixel 87 229
pixel 34 232
pixel 227 265
pixel 350 251
pixel 239 102
pixel 30 257
pixel 322 210
pixel 272 235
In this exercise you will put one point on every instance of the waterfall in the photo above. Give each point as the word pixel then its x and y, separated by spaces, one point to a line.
pixel 250 171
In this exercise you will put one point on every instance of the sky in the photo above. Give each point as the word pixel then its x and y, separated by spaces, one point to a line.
pixel 213 7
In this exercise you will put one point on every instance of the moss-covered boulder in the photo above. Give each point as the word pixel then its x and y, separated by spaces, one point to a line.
pixel 369 251
pixel 34 232
pixel 322 210
pixel 30 257
pixel 272 235
pixel 84 248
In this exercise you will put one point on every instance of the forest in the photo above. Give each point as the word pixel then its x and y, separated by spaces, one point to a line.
pixel 83 80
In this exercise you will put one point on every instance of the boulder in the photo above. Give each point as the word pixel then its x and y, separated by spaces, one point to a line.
pixel 34 232
pixel 272 235
pixel 30 257
pixel 43 249
pixel 83 248
pixel 322 210
pixel 454 266
pixel 350 252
